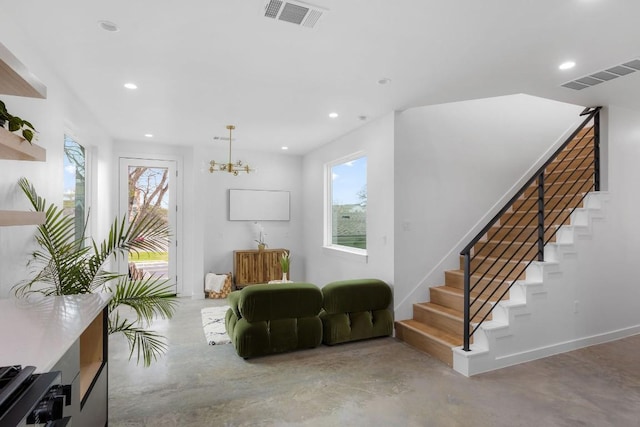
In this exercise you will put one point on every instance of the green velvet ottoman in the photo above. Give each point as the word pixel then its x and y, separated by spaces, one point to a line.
pixel 275 318
pixel 356 310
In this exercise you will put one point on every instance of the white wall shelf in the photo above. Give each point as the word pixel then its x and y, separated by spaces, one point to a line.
pixel 16 79
pixel 14 147
pixel 9 218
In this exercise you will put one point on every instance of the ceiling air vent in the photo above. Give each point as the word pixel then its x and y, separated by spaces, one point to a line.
pixel 604 75
pixel 295 12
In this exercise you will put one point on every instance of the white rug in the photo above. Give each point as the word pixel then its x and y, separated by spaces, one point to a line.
pixel 213 324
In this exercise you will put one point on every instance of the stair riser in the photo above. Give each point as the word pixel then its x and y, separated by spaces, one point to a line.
pixel 425 344
pixel 437 320
pixel 568 174
pixel 478 266
pixel 572 187
pixel 457 281
pixel 527 251
pixel 517 234
pixel 556 202
pixel 584 137
pixel 446 299
pixel 530 217
pixel 456 301
pixel 571 161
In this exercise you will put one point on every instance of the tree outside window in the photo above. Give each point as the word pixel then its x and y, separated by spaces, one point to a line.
pixel 74 198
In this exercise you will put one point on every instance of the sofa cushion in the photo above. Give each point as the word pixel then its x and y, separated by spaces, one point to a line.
pixel 348 296
pixel 267 319
pixel 277 301
pixel 345 327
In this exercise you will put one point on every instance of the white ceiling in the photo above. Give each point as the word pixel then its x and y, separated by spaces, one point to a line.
pixel 201 65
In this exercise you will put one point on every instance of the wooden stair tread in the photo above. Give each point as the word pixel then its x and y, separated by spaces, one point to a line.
pixel 436 334
pixel 449 312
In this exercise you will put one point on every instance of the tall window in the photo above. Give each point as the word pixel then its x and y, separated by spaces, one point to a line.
pixel 347 203
pixel 74 201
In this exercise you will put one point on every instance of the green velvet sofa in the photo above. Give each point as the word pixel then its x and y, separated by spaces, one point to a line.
pixel 356 310
pixel 275 318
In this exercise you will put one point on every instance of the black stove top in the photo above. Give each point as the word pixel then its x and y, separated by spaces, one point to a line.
pixel 27 398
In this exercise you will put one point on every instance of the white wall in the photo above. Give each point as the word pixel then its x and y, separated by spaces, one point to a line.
pixel 324 266
pixel 612 265
pixel 453 162
pixel 216 237
pixel 61 112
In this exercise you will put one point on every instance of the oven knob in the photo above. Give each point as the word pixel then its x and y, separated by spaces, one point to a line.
pixel 47 410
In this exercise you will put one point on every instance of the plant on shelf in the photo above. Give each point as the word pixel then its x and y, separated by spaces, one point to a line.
pixel 260 240
pixel 65 264
pixel 16 123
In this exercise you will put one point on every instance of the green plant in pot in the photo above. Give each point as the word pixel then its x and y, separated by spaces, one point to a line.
pixel 64 265
pixel 285 260
pixel 15 123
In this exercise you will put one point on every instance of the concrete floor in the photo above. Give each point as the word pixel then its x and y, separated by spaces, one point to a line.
pixel 380 382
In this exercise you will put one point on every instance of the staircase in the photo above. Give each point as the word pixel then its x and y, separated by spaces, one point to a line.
pixel 500 255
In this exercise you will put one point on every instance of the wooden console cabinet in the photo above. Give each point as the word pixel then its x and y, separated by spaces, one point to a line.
pixel 253 266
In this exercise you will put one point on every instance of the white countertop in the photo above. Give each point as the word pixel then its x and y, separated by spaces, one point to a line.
pixel 39 331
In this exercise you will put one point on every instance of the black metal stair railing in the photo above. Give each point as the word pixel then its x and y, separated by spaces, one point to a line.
pixel 545 201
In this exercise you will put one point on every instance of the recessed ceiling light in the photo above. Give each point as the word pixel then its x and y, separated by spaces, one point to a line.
pixel 333 115
pixel 285 148
pixel 148 135
pixel 567 65
pixel 109 26
pixel 384 81
pixel 131 86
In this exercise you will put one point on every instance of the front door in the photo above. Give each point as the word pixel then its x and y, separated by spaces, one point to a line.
pixel 148 186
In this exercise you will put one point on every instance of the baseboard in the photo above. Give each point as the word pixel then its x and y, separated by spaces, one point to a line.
pixel 485 365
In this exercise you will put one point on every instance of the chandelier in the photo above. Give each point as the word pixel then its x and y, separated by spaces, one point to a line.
pixel 230 167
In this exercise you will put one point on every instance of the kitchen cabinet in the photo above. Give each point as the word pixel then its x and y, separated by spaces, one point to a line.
pixel 67 334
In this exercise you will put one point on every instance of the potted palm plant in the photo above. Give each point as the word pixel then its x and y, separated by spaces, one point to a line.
pixel 65 265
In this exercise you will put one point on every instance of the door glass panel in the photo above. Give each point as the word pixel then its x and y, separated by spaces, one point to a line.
pixel 148 194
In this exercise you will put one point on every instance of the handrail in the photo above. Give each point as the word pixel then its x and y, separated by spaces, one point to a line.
pixel 547 220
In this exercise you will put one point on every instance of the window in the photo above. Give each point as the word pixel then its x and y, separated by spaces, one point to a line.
pixel 74 200
pixel 346 217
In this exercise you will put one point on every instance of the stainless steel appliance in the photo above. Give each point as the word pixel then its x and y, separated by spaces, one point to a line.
pixel 27 398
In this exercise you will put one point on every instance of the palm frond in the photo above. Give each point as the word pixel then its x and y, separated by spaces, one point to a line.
pixel 147 345
pixel 149 297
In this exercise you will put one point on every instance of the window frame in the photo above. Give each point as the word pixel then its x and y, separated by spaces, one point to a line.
pixel 87 179
pixel 348 252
